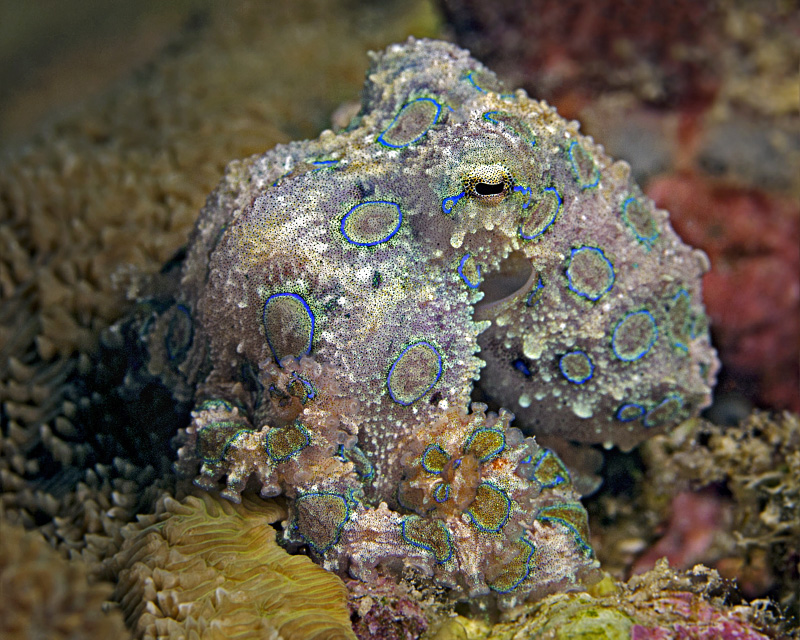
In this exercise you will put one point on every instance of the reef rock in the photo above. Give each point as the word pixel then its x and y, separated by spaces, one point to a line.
pixel 340 298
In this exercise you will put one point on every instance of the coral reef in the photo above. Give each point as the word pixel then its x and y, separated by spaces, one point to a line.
pixel 660 605
pixel 717 59
pixel 756 464
pixel 44 596
pixel 568 50
pixel 722 496
pixel 205 567
pixel 332 301
pixel 392 611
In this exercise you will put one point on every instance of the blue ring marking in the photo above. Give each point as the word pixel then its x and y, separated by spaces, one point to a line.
pixel 437 490
pixel 480 527
pixel 451 201
pixel 532 548
pixel 671 396
pixel 525 469
pixel 520 366
pixel 683 347
pixel 239 434
pixel 471 285
pixel 432 447
pixel 608 264
pixel 325 163
pixel 492 454
pixel 587 377
pixel 534 296
pixel 582 544
pixel 215 403
pixel 649 240
pixel 394 364
pixel 308 311
pixel 697 327
pixel 645 351
pixel 559 479
pixel 369 472
pixel 225 445
pixel 471 80
pixel 552 219
pixel 288 456
pixel 488 117
pixel 281 177
pixel 311 391
pixel 639 409
pixel 422 545
pixel 456 463
pixel 381 139
pixel 524 191
pixel 339 527
pixel 371 244
pixel 356 455
pixel 351 495
pixel 575 167
pixel 184 348
pixel 681 293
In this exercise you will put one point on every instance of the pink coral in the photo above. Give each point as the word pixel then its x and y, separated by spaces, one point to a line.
pixel 753 291
pixel 696 518
pixel 701 621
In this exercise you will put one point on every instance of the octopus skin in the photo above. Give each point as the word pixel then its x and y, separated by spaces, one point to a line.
pixel 342 299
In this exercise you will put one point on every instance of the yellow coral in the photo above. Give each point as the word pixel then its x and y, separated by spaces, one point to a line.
pixel 205 567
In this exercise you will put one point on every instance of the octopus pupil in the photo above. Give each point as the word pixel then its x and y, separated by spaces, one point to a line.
pixel 485 189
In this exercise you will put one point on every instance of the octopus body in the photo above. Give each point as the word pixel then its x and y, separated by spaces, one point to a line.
pixel 341 298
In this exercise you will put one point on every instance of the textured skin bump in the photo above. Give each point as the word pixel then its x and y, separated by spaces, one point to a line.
pixel 341 298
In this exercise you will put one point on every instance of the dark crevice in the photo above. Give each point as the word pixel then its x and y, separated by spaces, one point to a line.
pixel 516 276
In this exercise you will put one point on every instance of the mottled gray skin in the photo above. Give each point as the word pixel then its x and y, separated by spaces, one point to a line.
pixel 478 280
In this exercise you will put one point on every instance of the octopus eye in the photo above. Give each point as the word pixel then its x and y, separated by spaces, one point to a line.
pixel 489 184
pixel 484 189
